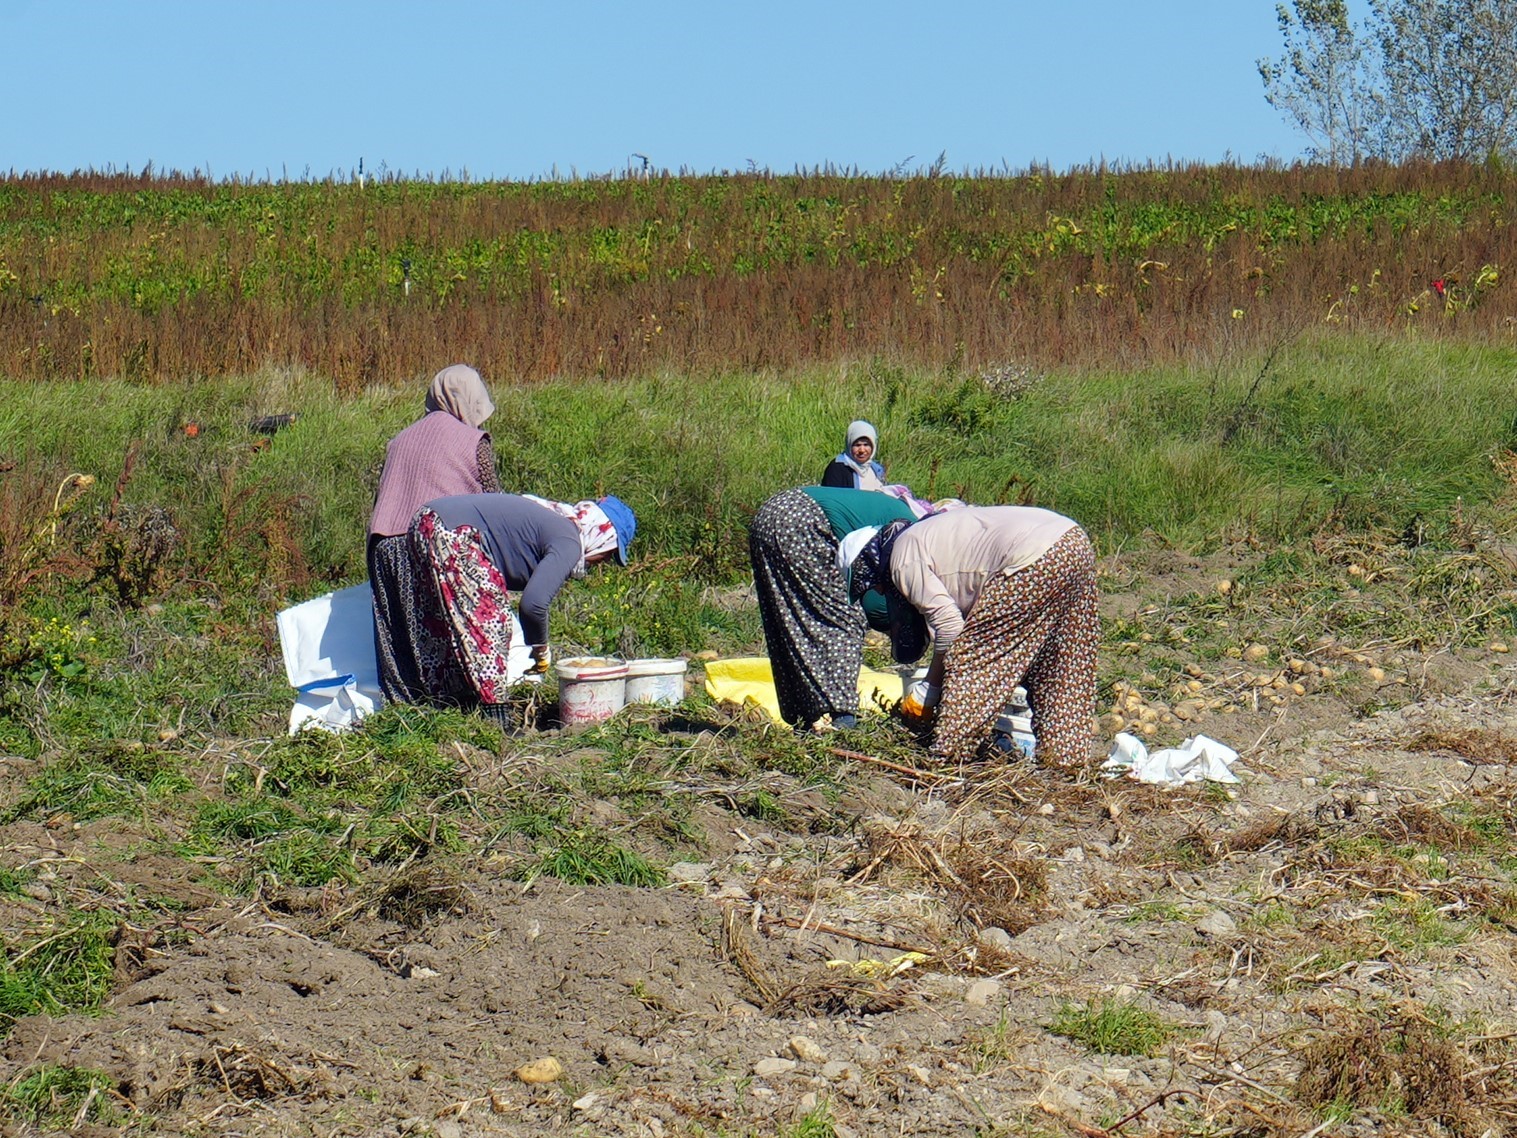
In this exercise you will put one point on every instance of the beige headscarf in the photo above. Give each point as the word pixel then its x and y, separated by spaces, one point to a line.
pixel 460 392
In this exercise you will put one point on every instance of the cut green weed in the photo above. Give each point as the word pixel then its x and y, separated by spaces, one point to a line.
pixel 59 969
pixel 83 790
pixel 302 858
pixel 264 835
pixel 585 857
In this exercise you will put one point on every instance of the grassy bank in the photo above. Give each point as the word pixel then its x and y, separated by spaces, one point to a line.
pixel 1374 434
pixel 1353 501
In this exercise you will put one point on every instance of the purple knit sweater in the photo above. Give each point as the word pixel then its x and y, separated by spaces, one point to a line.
pixel 434 457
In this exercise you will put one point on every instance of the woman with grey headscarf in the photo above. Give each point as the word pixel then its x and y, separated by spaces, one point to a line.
pixel 443 453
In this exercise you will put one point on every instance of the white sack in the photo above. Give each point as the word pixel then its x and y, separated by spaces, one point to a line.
pixel 328 645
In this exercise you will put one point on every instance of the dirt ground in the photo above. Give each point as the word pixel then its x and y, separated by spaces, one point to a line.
pixel 1301 933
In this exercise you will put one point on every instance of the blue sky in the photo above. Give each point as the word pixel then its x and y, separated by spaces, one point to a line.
pixel 517 90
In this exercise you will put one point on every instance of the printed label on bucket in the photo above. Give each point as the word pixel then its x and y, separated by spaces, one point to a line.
pixel 590 689
pixel 655 680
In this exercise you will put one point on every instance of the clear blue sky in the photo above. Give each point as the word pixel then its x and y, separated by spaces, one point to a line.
pixel 516 90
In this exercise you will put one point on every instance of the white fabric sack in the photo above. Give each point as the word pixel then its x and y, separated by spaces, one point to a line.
pixel 1195 759
pixel 328 645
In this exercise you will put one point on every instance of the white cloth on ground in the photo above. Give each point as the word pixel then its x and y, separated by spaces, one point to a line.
pixel 1195 759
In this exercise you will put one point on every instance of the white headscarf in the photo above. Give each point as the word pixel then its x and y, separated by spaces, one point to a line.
pixel 596 533
pixel 849 547
pixel 867 475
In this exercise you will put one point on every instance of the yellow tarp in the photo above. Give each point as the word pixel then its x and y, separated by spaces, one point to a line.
pixel 744 678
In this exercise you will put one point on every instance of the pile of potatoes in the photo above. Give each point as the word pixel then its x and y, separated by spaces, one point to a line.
pixel 1253 683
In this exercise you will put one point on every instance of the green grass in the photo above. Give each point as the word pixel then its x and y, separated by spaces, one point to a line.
pixel 260 528
pixel 83 789
pixel 991 1048
pixel 60 1098
pixel 587 857
pixel 1156 911
pixel 815 1123
pixel 1336 429
pixel 58 969
pixel 264 836
pixel 1270 915
pixel 1416 926
pixel 393 762
pixel 13 881
pixel 1114 1027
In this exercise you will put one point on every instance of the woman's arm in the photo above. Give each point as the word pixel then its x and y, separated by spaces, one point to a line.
pixel 926 591
pixel 546 580
pixel 484 459
pixel 934 675
pixel 837 475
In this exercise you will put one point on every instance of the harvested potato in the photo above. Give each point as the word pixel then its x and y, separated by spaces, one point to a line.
pixel 546 1070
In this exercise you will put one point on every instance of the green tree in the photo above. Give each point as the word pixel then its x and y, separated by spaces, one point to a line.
pixel 1321 84
pixel 1433 79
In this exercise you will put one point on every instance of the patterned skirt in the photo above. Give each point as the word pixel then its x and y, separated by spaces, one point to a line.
pixel 399 596
pixel 465 615
pixel 1037 627
pixel 814 636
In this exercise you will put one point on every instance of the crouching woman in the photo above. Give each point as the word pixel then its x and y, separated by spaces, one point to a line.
pixel 474 552
pixel 815 638
pixel 1009 595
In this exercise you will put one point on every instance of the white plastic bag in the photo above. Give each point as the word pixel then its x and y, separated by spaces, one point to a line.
pixel 1195 759
pixel 328 646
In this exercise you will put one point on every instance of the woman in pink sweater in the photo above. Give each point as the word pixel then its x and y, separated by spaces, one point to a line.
pixel 441 454
pixel 1009 595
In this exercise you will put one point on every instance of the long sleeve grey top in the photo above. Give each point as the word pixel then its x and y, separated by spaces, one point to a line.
pixel 535 549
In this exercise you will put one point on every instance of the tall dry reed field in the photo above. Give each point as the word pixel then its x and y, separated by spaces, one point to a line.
pixel 161 277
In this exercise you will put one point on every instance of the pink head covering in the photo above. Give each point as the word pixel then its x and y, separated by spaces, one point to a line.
pixel 460 392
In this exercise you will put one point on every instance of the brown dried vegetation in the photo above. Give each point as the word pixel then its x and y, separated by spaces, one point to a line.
pixel 1393 1066
pixel 166 277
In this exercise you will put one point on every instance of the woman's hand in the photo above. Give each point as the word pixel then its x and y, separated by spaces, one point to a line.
pixel 919 707
pixel 936 669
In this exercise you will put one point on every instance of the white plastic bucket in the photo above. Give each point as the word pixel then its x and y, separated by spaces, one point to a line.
pixel 653 680
pixel 590 689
